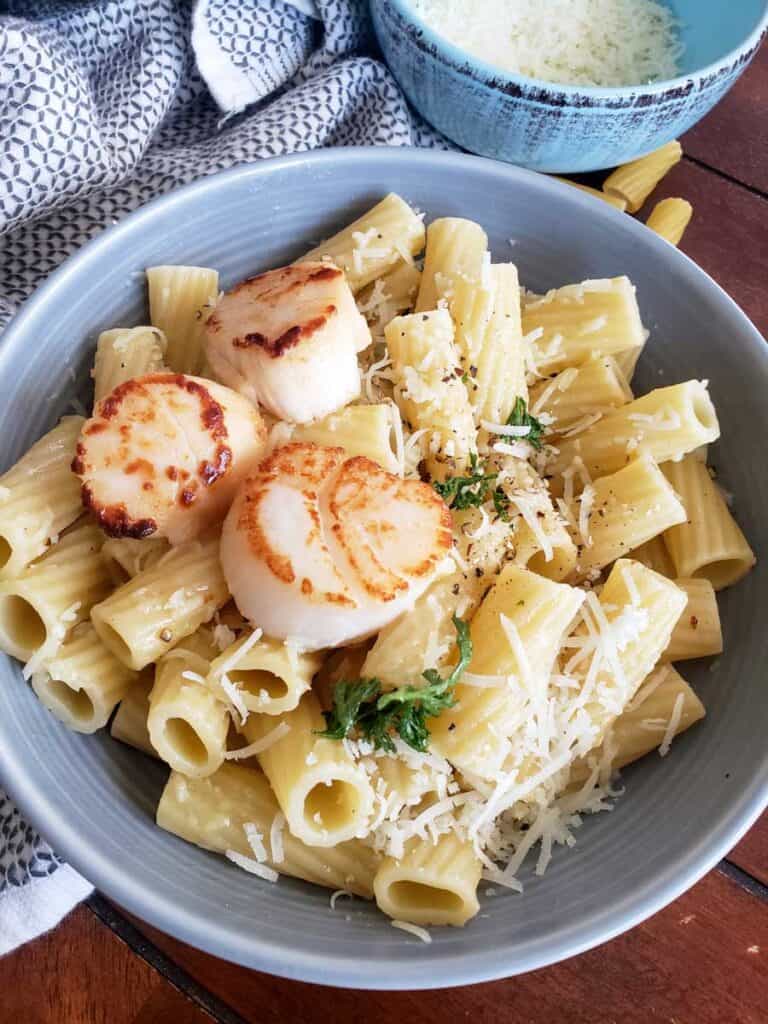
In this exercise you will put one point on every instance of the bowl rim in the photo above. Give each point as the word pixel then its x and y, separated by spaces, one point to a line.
pixel 556 93
pixel 40 808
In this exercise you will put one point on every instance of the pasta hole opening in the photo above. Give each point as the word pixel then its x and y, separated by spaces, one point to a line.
pixel 185 740
pixel 21 623
pixel 552 569
pixel 723 573
pixel 6 551
pixel 77 704
pixel 331 807
pixel 256 680
pixel 704 411
pixel 420 896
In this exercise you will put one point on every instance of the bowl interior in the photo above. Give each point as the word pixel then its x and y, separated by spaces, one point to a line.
pixel 94 799
pixel 710 29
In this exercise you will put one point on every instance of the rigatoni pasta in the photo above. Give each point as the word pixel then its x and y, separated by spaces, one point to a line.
pixel 359 430
pixel 83 682
pixel 432 395
pixel 634 182
pixel 39 497
pixel 180 300
pixel 709 544
pixel 129 724
pixel 474 564
pixel 667 423
pixel 325 796
pixel 49 598
pixel 263 675
pixel 621 511
pixel 390 232
pixel 147 616
pixel 455 250
pixel 598 386
pixel 569 326
pixel 126 352
pixel 213 812
pixel 187 725
pixel 670 218
pixel 698 633
pixel 431 883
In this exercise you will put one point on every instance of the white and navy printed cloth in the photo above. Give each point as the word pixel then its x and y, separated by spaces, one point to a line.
pixel 107 103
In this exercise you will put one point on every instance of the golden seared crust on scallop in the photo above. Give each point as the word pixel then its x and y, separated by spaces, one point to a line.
pixel 327 549
pixel 163 455
pixel 371 510
pixel 288 339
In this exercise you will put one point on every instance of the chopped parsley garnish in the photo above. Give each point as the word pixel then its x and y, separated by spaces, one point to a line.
pixel 501 505
pixel 471 491
pixel 362 706
pixel 520 417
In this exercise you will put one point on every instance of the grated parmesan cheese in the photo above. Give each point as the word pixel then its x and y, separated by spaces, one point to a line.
pixel 252 866
pixel 412 929
pixel 585 42
pixel 259 746
pixel 672 725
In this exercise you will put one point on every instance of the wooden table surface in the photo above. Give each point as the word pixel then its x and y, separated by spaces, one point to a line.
pixel 703 959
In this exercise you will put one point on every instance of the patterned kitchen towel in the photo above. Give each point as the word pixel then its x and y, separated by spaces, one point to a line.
pixel 107 103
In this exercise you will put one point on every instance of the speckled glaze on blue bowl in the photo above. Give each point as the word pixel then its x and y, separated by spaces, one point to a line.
pixel 95 799
pixel 556 128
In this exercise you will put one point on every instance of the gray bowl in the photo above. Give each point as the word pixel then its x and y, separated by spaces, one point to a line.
pixel 94 799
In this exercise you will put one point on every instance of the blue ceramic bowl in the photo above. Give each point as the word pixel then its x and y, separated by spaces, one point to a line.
pixel 557 128
pixel 95 799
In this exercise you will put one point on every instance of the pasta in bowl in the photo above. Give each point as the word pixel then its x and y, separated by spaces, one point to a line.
pixel 458 593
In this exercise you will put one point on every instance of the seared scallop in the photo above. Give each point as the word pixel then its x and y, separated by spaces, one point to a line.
pixel 326 549
pixel 288 340
pixel 163 455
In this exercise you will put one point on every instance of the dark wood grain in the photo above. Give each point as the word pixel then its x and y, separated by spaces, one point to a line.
pixel 751 854
pixel 83 974
pixel 700 961
pixel 728 235
pixel 733 138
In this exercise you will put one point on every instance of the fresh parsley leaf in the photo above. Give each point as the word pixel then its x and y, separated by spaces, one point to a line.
pixel 377 716
pixel 348 702
pixel 520 417
pixel 471 491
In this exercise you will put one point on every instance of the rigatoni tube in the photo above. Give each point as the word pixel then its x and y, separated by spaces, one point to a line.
pixel 455 249
pixel 269 675
pixel 635 181
pixel 432 395
pixel 358 429
pixel 129 724
pixel 84 682
pixel 144 618
pixel 374 243
pixel 213 811
pixel 666 423
pixel 187 725
pixel 698 633
pixel 624 510
pixel 126 352
pixel 53 595
pixel 571 325
pixel 39 497
pixel 516 633
pixel 325 796
pixel 709 544
pixel 431 884
pixel 180 299
pixel 580 392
